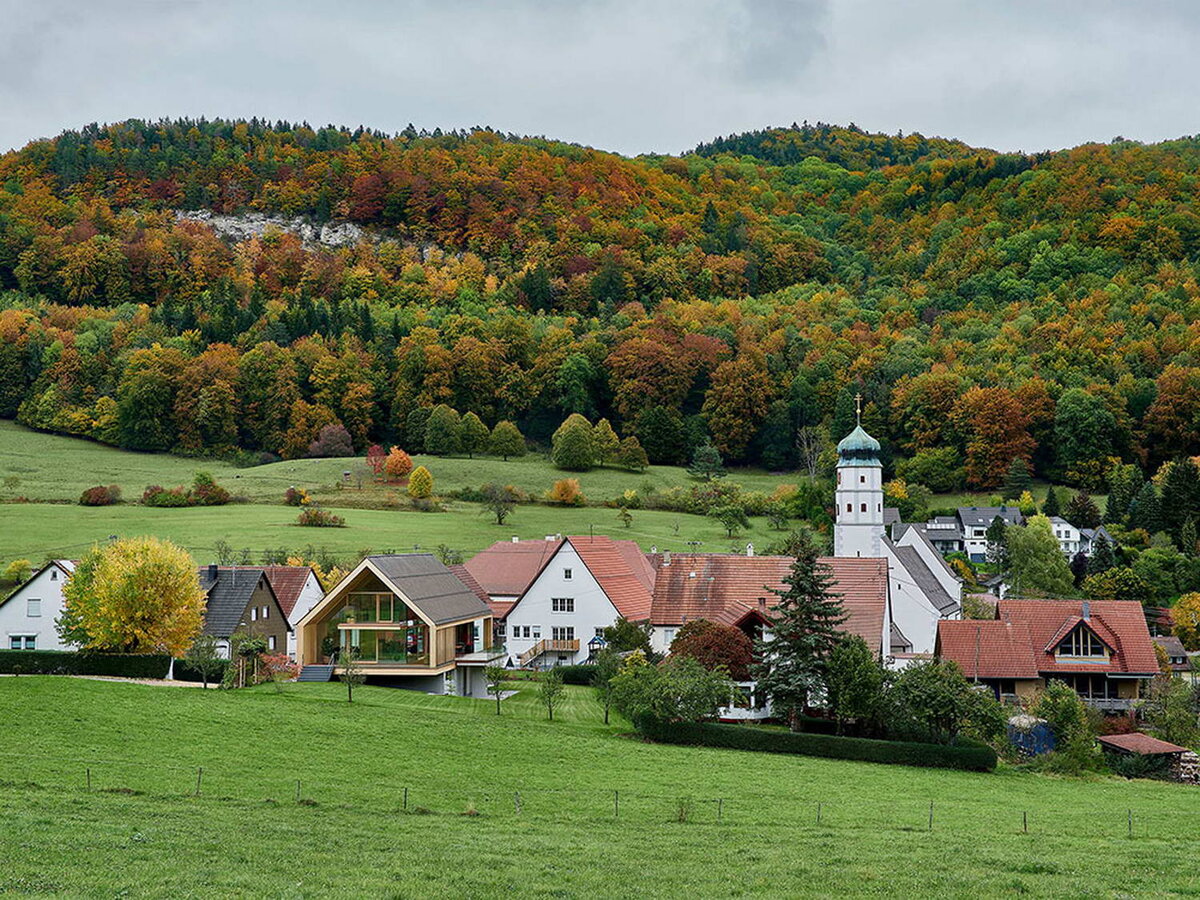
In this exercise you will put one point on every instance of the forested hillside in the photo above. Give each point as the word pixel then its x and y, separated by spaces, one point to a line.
pixel 987 306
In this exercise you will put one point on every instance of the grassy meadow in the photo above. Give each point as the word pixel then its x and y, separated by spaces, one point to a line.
pixel 143 832
pixel 51 471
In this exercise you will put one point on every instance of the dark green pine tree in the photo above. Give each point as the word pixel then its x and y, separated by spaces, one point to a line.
pixel 1123 487
pixel 1188 538
pixel 805 629
pixel 1180 496
pixel 1018 480
pixel 1146 511
pixel 1102 558
pixel 1082 511
pixel 1051 507
pixel 707 463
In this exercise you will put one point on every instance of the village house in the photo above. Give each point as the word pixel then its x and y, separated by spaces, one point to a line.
pixel 1101 649
pixel 240 600
pixel 409 621
pixel 29 614
pixel 297 589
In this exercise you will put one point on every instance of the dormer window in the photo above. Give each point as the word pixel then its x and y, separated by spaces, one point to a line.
pixel 1082 642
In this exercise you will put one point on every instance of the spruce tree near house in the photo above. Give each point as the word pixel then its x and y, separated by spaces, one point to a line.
pixel 473 435
pixel 506 441
pixel 806 622
pixel 1102 558
pixel 1082 511
pixel 1051 507
pixel 1145 510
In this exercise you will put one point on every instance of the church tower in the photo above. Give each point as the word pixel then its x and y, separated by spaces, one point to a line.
pixel 858 530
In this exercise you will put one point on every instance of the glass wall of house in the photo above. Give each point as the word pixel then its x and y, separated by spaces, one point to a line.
pixel 378 626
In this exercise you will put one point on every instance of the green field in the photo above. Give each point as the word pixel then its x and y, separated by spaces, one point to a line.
pixel 53 467
pixel 142 832
pixel 37 531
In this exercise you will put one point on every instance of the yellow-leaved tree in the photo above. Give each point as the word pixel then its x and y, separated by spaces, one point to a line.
pixel 136 595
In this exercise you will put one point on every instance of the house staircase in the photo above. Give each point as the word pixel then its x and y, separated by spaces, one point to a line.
pixel 316 673
pixel 547 646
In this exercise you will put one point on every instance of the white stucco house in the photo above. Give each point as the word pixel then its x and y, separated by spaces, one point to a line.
pixel 583 586
pixel 28 616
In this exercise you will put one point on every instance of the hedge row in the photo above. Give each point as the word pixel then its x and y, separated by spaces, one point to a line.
pixel 973 757
pixel 62 662
pixel 582 674
pixel 184 671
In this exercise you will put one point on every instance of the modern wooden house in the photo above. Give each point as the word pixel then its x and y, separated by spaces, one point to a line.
pixel 410 622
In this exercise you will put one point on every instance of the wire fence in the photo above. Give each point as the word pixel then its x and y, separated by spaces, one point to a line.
pixel 1097 819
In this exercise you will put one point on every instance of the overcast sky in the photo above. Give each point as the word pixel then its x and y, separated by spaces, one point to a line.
pixel 627 75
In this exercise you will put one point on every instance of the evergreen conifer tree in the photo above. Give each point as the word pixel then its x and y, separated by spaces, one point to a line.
pixel 805 628
pixel 1145 510
pixel 707 463
pixel 1051 507
pixel 1018 480
pixel 1102 558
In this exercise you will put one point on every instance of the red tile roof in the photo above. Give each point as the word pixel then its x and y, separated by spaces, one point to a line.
pixel 286 581
pixel 1119 623
pixel 727 588
pixel 508 568
pixel 988 648
pixel 622 571
pixel 1137 742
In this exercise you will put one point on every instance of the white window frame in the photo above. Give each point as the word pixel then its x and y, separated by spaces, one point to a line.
pixel 271 642
pixel 568 574
pixel 33 607
pixel 22 641
pixel 266 612
pixel 562 604
pixel 537 632
pixel 254 614
pixel 562 633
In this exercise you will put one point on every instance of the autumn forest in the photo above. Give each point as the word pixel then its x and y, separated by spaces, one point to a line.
pixel 987 306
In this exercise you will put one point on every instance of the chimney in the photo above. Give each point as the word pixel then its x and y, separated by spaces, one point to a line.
pixel 212 571
pixel 666 558
pixel 749 549
pixel 1087 610
pixel 654 549
pixel 762 602
pixel 515 539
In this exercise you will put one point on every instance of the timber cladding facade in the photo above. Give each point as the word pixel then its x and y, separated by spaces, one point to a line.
pixel 403 615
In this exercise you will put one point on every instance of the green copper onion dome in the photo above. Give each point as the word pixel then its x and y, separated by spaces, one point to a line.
pixel 858 449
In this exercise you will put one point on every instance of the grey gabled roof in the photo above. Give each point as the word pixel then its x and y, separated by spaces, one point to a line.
pixel 228 595
pixel 435 591
pixel 983 516
pixel 925 580
pixel 891 516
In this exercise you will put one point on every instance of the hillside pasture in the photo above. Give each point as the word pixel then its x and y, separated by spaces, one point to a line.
pixel 600 813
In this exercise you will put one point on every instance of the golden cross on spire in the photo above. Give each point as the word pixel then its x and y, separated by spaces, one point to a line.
pixel 858 407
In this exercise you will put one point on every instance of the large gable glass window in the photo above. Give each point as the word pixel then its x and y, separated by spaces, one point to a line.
pixel 1081 642
pixel 562 604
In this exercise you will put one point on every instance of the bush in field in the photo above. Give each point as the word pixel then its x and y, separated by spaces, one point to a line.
pixel 294 496
pixel 376 458
pixel 420 485
pixel 566 492
pixel 165 497
pixel 206 492
pixel 17 571
pixel 101 496
pixel 315 517
pixel 398 465
pixel 332 441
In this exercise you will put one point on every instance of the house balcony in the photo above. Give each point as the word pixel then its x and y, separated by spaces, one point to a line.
pixel 1110 704
pixel 548 646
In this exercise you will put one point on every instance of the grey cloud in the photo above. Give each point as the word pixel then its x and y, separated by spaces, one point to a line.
pixel 628 75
